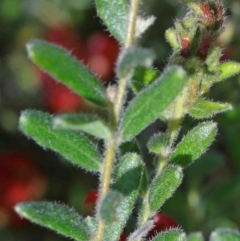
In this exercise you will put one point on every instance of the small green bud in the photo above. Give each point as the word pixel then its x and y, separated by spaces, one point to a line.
pixel 159 143
pixel 171 37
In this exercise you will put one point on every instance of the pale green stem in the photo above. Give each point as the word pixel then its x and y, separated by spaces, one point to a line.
pixel 173 128
pixel 177 115
pixel 128 43
pixel 118 103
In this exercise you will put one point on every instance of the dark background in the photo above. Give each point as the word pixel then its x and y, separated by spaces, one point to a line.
pixel 208 197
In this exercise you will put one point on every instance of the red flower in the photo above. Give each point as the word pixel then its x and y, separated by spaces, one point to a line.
pixel 162 222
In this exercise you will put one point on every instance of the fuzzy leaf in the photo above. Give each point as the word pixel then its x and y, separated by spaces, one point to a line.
pixel 71 145
pixel 143 24
pixel 206 109
pixel 159 143
pixel 196 236
pixel 164 186
pixel 142 231
pixel 55 216
pixel 171 235
pixel 142 77
pixel 130 166
pixel 63 67
pixel 109 206
pixel 194 144
pixel 90 124
pixel 130 58
pixel 213 57
pixel 227 70
pixel 223 234
pixel 148 105
pixel 91 223
pixel 114 14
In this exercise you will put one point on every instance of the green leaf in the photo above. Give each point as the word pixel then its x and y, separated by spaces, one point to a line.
pixel 207 109
pixel 91 223
pixel 148 105
pixel 143 23
pixel 130 58
pixel 196 236
pixel 108 209
pixel 163 186
pixel 114 14
pixel 57 62
pixel 71 145
pixel 171 235
pixel 144 183
pixel 142 231
pixel 223 234
pixel 194 144
pixel 213 57
pixel 55 216
pixel 227 70
pixel 127 179
pixel 142 77
pixel 159 143
pixel 90 124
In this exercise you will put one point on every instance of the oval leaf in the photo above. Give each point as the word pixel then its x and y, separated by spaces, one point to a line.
pixel 148 105
pixel 57 62
pixel 130 166
pixel 109 206
pixel 223 234
pixel 114 14
pixel 90 124
pixel 55 216
pixel 164 186
pixel 227 70
pixel 171 235
pixel 71 145
pixel 207 109
pixel 194 144
pixel 130 58
pixel 159 143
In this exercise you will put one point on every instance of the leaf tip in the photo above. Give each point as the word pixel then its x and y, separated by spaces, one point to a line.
pixel 23 119
pixel 30 47
pixel 19 209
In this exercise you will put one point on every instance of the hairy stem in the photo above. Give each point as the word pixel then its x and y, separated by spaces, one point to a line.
pixel 118 103
pixel 173 128
pixel 128 43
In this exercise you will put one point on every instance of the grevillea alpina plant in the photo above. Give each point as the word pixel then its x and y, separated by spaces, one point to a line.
pixel 180 90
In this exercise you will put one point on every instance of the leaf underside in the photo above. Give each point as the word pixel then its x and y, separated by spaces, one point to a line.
pixel 71 145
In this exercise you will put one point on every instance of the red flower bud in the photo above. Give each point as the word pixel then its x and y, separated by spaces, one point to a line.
pixel 185 43
pixel 204 47
pixel 208 14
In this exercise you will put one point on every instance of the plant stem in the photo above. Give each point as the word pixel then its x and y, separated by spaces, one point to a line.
pixel 174 124
pixel 128 43
pixel 118 103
